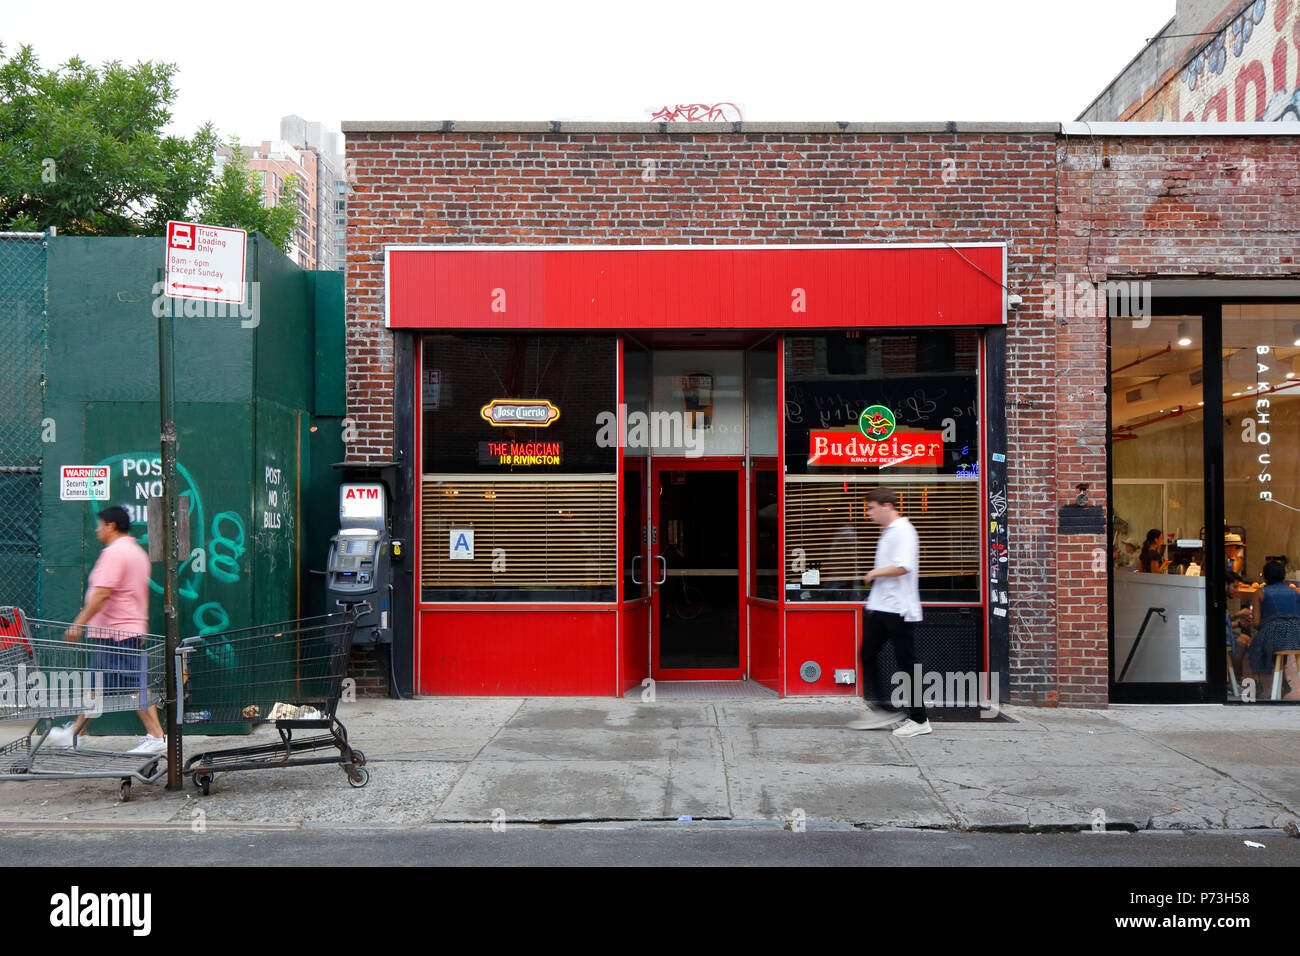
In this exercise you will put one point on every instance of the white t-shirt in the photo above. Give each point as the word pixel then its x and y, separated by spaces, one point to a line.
pixel 898 547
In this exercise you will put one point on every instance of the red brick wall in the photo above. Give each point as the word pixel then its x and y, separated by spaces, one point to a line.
pixel 759 188
pixel 1146 207
pixel 368 666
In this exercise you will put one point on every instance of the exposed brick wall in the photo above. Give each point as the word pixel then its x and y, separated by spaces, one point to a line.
pixel 759 188
pixel 1145 207
pixel 368 666
pixel 1122 207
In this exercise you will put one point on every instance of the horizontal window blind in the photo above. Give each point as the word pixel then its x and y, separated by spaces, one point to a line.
pixel 559 533
pixel 830 524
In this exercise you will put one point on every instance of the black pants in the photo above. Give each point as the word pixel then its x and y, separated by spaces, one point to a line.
pixel 877 628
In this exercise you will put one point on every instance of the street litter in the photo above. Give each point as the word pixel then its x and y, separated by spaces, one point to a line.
pixel 282 711
pixel 294 672
pixel 1258 846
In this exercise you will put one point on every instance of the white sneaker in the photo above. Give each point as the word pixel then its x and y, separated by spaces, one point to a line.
pixel 61 737
pixel 875 720
pixel 910 728
pixel 150 745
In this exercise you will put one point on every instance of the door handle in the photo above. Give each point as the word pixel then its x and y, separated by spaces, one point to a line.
pixel 635 559
pixel 663 568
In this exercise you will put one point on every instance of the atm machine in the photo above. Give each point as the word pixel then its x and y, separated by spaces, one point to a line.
pixel 360 556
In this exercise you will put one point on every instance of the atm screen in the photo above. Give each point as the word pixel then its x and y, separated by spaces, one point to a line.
pixel 357 547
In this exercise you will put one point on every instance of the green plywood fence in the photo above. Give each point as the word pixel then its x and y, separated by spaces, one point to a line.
pixel 260 500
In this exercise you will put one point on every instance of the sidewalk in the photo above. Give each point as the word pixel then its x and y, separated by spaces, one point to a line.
pixel 445 760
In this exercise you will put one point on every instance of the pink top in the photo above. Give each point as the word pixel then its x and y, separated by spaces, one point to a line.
pixel 123 567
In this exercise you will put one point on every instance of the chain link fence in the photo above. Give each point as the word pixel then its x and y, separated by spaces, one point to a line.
pixel 22 377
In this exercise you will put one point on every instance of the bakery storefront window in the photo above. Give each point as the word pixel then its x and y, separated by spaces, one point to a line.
pixel 865 410
pixel 519 489
pixel 1261 498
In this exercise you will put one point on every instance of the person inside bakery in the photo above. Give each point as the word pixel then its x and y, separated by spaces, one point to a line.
pixel 1277 612
pixel 1152 559
pixel 1234 554
pixel 1237 622
pixel 1127 557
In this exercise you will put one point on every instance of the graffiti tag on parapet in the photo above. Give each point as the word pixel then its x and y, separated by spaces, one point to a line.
pixel 698 113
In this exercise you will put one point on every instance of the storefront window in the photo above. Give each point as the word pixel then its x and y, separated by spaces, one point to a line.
pixel 519 453
pixel 865 410
pixel 1261 495
pixel 698 404
pixel 763 528
pixel 763 415
pixel 1159 542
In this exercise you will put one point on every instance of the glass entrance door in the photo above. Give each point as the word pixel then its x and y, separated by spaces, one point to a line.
pixel 697 549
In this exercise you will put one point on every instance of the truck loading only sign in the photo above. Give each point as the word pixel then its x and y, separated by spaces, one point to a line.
pixel 205 262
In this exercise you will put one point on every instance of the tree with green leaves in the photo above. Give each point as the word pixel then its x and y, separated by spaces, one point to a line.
pixel 83 149
pixel 234 198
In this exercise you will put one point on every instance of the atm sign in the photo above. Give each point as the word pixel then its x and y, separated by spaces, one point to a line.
pixel 361 501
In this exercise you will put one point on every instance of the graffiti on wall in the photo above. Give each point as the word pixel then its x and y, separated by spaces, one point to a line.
pixel 216 544
pixel 1249 71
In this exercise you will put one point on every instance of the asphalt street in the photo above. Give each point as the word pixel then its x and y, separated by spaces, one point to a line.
pixel 733 844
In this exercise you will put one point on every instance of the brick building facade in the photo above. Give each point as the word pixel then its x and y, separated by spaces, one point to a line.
pixel 1067 207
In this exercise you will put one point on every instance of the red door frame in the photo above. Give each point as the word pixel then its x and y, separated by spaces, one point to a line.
pixel 635 468
pixel 735 465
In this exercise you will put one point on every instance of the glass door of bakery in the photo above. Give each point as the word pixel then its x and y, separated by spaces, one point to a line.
pixel 1205 502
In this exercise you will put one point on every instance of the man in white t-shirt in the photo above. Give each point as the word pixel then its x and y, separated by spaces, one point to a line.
pixel 893 607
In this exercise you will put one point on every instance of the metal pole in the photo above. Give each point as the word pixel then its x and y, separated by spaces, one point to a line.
pixel 171 535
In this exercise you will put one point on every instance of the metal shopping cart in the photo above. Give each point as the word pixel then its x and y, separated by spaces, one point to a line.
pixel 46 675
pixel 292 674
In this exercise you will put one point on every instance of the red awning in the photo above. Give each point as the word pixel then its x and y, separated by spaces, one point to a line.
pixel 693 287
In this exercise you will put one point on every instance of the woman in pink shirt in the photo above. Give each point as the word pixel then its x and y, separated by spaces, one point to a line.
pixel 118 600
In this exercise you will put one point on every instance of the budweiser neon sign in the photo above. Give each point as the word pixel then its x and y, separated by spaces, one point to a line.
pixel 838 447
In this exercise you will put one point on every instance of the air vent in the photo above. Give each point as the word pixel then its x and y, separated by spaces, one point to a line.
pixel 810 671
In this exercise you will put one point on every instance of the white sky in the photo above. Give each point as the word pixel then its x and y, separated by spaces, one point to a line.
pixel 243 65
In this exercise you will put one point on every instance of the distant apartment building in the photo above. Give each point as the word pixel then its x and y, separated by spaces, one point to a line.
pixel 307 156
pixel 290 175
pixel 330 185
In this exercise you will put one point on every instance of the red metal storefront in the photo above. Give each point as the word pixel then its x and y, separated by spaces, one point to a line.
pixel 607 648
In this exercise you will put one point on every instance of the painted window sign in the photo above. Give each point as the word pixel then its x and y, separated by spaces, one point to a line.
pixel 827 447
pixel 513 412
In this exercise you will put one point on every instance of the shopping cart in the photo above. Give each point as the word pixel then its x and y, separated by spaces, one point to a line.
pixel 290 673
pixel 44 676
